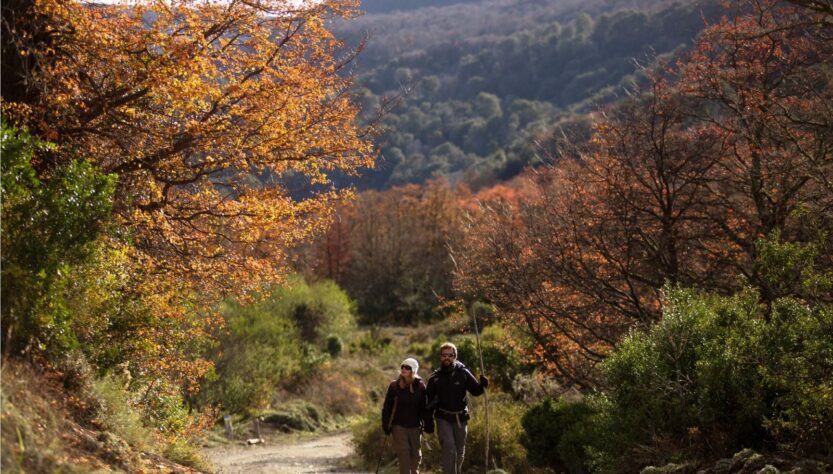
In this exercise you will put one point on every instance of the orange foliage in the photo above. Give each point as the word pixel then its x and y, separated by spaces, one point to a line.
pixel 762 80
pixel 675 185
pixel 202 109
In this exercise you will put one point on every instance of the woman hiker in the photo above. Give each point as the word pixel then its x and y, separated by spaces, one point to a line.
pixel 403 414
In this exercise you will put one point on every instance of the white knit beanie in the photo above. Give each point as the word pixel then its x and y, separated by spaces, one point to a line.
pixel 413 364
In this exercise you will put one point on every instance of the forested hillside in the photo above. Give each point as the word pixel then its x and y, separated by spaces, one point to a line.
pixel 485 82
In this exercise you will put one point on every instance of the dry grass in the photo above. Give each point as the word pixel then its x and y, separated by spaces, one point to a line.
pixel 44 429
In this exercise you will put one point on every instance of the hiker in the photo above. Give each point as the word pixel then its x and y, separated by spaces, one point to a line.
pixel 403 414
pixel 447 400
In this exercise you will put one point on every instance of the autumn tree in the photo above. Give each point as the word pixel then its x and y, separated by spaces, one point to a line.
pixel 202 110
pixel 198 114
pixel 763 79
pixel 330 254
pixel 389 250
pixel 583 258
pixel 817 5
pixel 678 184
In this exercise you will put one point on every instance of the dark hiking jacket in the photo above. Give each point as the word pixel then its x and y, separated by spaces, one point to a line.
pixel 446 392
pixel 410 404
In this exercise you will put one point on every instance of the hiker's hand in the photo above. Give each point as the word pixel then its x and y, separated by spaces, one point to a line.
pixel 484 381
pixel 387 431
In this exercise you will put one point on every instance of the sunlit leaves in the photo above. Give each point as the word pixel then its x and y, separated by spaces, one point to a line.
pixel 202 110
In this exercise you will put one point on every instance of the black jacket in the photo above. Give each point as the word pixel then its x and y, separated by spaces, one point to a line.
pixel 446 392
pixel 410 405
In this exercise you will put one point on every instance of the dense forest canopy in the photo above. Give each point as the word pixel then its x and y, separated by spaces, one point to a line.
pixel 485 84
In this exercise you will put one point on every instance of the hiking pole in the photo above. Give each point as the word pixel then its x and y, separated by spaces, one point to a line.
pixel 390 426
pixel 382 453
pixel 482 373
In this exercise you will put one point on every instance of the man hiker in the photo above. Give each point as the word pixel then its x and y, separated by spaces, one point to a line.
pixel 403 414
pixel 446 391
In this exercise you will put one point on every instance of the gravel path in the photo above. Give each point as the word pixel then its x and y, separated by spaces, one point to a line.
pixel 325 454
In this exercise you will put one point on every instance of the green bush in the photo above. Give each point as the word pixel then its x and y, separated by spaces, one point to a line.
pixel 258 350
pixel 318 310
pixel 793 268
pixel 118 413
pixel 557 435
pixel 505 449
pixel 299 415
pixel 50 220
pixel 715 375
pixel 164 408
pixel 422 350
pixel 273 340
pixel 368 437
pixel 372 341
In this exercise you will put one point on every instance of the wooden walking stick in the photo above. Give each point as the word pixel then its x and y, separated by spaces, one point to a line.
pixel 480 353
pixel 482 374
pixel 382 453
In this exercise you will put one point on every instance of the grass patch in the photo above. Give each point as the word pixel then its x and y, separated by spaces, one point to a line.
pixel 118 414
pixel 183 452
pixel 295 415
pixel 33 421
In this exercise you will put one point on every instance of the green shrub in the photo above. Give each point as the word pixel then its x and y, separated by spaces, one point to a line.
pixel 557 435
pixel 422 350
pixel 258 349
pixel 311 360
pixel 298 415
pixel 118 414
pixel 274 340
pixel 715 375
pixel 795 348
pixel 318 309
pixel 793 268
pixel 663 399
pixel 164 408
pixel 368 437
pixel 372 341
pixel 51 220
pixel 505 449
pixel 183 452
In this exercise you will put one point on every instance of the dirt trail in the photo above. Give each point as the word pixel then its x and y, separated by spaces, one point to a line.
pixel 319 455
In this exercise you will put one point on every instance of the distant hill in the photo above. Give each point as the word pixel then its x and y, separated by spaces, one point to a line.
pixel 488 80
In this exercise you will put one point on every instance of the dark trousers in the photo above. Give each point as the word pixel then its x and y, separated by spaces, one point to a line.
pixel 453 441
